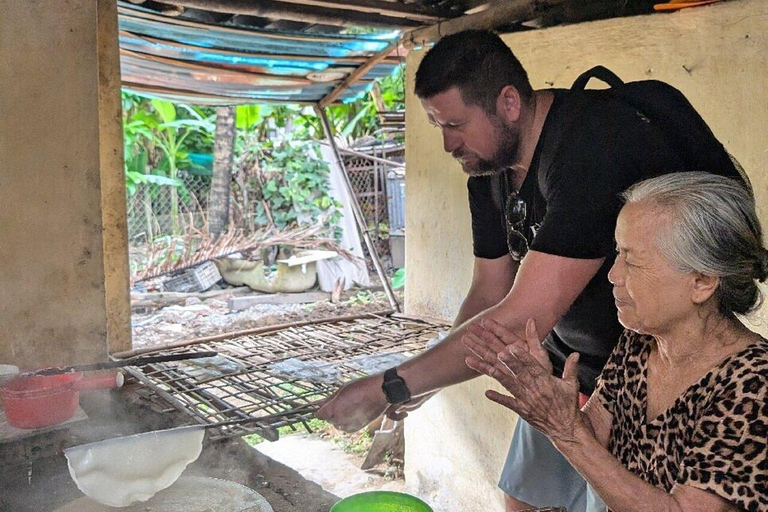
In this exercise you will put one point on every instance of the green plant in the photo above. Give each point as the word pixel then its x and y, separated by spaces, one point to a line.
pixel 362 297
pixel 158 137
pixel 318 427
pixel 358 443
pixel 295 187
pixel 398 278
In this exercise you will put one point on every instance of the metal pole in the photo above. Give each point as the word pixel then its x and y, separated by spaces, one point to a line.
pixel 376 199
pixel 358 214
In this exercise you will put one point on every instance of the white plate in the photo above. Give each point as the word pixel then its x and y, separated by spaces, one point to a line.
pixel 188 494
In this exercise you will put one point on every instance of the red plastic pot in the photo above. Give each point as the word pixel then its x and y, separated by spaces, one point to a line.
pixel 41 401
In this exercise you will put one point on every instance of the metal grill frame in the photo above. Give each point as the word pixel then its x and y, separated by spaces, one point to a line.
pixel 258 399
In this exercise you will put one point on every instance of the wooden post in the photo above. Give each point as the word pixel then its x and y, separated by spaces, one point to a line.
pixel 358 214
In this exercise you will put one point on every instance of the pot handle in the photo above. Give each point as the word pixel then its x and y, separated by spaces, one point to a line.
pixel 101 381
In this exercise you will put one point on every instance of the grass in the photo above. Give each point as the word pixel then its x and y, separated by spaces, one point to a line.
pixel 317 426
pixel 358 443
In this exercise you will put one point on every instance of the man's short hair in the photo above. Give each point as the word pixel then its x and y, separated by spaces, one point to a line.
pixel 478 63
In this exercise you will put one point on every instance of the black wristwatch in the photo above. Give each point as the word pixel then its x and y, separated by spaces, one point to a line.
pixel 395 388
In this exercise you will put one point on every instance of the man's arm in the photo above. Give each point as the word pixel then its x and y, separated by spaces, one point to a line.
pixel 491 282
pixel 544 288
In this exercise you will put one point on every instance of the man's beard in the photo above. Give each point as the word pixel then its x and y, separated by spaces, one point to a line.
pixel 504 157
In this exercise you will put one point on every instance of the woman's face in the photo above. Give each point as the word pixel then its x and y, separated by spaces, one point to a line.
pixel 651 296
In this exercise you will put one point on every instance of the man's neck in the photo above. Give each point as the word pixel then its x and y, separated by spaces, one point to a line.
pixel 530 132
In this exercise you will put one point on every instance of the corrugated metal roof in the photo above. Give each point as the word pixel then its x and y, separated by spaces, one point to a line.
pixel 204 63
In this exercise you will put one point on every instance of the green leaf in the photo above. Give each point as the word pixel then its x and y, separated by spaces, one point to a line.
pixel 398 279
pixel 247 116
pixel 165 109
pixel 349 128
pixel 136 177
pixel 163 180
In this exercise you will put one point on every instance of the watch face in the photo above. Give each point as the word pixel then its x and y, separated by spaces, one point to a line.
pixel 396 391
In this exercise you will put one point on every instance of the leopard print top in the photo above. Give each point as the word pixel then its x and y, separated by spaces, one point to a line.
pixel 713 437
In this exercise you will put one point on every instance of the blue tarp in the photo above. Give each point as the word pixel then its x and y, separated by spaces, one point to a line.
pixel 203 63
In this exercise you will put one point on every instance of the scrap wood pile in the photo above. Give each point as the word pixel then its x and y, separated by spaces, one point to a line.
pixel 170 254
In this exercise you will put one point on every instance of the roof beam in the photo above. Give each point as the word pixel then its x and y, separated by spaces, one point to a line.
pixel 277 56
pixel 356 75
pixel 291 82
pixel 341 15
pixel 498 13
pixel 414 12
pixel 202 98
pixel 159 20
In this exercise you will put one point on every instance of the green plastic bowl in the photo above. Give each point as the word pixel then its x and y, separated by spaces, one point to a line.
pixel 381 501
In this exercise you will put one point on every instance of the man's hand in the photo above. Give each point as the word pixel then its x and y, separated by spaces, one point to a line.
pixel 489 339
pixel 355 405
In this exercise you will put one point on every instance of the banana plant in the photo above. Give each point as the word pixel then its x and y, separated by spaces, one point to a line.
pixel 164 131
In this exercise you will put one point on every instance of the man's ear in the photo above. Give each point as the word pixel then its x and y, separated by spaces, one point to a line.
pixel 509 104
pixel 704 287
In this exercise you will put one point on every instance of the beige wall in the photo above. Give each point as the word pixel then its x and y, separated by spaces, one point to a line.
pixel 60 160
pixel 717 55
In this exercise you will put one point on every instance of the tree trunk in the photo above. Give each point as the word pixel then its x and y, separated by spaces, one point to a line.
pixel 223 155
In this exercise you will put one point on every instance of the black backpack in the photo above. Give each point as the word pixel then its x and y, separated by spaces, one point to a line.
pixel 669 110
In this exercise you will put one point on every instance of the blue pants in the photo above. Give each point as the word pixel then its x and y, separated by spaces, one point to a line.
pixel 536 473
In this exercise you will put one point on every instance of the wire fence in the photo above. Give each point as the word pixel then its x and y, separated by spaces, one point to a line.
pixel 156 210
pixel 372 182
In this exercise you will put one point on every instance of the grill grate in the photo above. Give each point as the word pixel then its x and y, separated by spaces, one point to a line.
pixel 260 382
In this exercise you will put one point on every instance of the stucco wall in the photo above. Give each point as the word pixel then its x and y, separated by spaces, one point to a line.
pixel 717 55
pixel 60 148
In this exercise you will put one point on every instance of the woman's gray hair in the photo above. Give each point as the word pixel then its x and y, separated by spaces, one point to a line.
pixel 711 227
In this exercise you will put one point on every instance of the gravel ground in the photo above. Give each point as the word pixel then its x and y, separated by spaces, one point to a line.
pixel 195 319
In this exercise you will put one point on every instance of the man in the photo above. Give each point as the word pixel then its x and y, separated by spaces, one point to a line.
pixel 545 170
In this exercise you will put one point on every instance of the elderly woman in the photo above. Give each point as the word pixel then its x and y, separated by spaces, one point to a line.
pixel 679 418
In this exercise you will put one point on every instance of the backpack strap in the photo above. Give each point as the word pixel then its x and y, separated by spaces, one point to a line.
pixel 601 73
pixel 550 144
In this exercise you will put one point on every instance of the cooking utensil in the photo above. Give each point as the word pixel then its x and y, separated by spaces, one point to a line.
pixel 132 361
pixel 41 401
pixel 381 501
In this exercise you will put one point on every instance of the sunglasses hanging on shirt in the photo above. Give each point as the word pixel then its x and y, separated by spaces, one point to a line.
pixel 515 216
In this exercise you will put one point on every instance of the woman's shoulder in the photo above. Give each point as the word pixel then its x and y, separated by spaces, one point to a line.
pixel 746 371
pixel 754 356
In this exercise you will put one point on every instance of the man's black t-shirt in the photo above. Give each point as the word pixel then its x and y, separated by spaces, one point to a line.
pixel 572 209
